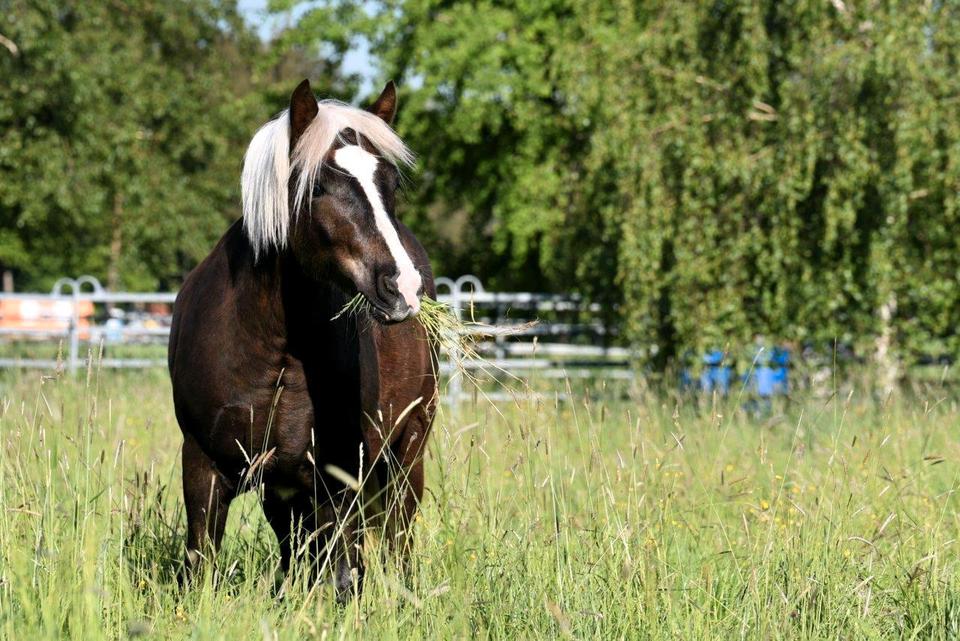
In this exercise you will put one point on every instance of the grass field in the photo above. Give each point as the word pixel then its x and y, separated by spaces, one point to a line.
pixel 834 518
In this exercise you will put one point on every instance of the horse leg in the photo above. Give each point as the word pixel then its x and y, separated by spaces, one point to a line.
pixel 207 496
pixel 328 535
pixel 405 490
pixel 281 517
pixel 345 545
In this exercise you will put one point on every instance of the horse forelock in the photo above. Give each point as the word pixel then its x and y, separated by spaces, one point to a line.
pixel 268 166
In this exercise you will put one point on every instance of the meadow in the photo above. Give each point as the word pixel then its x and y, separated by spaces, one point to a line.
pixel 598 514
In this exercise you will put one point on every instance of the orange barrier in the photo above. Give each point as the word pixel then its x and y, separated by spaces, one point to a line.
pixel 42 314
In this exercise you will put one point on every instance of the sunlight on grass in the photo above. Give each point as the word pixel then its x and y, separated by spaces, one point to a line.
pixel 595 516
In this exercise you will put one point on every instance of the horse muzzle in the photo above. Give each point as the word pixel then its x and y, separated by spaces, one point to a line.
pixel 399 316
pixel 392 304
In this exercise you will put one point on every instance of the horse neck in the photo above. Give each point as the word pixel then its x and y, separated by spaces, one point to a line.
pixel 257 293
pixel 304 303
pixel 274 298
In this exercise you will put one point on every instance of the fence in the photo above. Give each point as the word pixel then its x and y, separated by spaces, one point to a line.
pixel 569 338
pixel 68 316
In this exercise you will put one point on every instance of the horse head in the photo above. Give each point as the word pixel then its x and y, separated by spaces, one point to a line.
pixel 320 181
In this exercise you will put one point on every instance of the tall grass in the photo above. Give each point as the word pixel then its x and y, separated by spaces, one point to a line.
pixel 586 517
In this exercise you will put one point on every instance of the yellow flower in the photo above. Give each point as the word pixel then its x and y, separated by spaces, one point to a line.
pixel 764 505
pixel 729 467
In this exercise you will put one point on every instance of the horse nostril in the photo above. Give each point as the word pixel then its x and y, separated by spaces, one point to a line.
pixel 388 286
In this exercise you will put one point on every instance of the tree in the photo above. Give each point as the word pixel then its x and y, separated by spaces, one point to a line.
pixel 122 128
pixel 717 169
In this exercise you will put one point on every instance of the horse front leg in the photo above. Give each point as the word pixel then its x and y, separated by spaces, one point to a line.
pixel 285 522
pixel 405 494
pixel 207 496
pixel 405 490
pixel 320 539
pixel 344 548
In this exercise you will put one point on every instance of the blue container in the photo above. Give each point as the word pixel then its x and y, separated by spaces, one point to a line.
pixel 764 381
pixel 770 376
pixel 715 376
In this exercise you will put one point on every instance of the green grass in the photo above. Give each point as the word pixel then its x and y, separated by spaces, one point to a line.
pixel 650 518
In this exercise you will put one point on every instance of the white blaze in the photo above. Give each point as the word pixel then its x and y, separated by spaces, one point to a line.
pixel 362 165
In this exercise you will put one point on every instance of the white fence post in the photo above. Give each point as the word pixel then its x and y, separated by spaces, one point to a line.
pixel 75 286
pixel 73 328
pixel 454 386
pixel 459 295
pixel 75 331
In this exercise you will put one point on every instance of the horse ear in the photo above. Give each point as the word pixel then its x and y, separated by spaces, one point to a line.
pixel 303 109
pixel 386 105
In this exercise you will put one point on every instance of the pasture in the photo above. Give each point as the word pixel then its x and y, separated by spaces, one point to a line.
pixel 595 516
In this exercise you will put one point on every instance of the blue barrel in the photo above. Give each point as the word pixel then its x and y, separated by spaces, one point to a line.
pixel 715 376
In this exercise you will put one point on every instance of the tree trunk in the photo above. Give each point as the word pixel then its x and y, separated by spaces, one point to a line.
pixel 886 359
pixel 116 244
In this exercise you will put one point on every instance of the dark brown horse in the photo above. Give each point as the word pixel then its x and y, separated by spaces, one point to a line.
pixel 274 395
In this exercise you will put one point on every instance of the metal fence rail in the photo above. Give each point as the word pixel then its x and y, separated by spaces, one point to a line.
pixel 74 293
pixel 571 342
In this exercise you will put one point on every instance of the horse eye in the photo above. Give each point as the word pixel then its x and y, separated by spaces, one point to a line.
pixel 317 189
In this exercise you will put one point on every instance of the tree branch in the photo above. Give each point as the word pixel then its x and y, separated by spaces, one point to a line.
pixel 9 44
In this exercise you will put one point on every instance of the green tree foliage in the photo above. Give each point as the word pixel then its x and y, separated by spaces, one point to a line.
pixel 122 127
pixel 718 168
pixel 712 169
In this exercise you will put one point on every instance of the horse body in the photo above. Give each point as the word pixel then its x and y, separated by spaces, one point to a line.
pixel 272 393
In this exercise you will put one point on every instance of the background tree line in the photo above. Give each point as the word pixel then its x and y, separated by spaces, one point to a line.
pixel 122 130
pixel 711 170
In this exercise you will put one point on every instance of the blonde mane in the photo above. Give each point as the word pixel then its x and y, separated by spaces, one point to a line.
pixel 268 165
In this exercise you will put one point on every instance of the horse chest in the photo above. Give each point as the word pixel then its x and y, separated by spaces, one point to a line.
pixel 268 426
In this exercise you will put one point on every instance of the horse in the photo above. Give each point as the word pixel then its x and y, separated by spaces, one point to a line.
pixel 273 389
